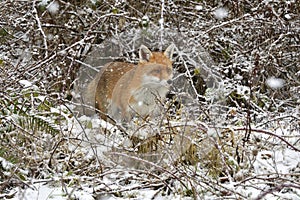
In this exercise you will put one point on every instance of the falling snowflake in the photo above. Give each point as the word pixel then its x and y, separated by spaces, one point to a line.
pixel 220 13
pixel 275 83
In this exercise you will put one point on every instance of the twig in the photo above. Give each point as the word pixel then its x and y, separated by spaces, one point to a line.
pixel 276 189
pixel 40 28
pixel 269 133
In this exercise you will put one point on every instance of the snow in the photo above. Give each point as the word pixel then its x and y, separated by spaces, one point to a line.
pixel 5 164
pixel 83 139
pixel 198 7
pixel 145 19
pixel 269 163
pixel 42 191
pixel 25 83
pixel 284 161
pixel 161 21
pixel 275 83
pixel 242 90
pixel 53 7
pixel 287 16
pixel 221 13
pixel 43 2
pixel 140 103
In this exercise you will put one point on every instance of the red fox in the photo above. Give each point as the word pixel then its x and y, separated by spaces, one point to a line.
pixel 124 90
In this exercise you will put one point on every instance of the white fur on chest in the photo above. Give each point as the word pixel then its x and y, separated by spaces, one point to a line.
pixel 149 95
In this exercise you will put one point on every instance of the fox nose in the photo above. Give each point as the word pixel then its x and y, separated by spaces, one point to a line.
pixel 169 82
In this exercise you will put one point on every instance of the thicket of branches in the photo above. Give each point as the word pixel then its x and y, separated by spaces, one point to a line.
pixel 224 61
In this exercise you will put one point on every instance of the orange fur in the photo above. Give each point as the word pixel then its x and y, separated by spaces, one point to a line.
pixel 124 90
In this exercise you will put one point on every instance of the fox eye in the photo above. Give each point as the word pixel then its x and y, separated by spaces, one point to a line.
pixel 156 71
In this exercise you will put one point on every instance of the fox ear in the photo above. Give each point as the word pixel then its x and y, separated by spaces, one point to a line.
pixel 144 54
pixel 169 51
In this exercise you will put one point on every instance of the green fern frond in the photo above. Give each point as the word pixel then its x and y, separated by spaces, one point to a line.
pixel 33 123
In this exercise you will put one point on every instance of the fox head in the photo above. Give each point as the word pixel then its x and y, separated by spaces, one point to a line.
pixel 156 66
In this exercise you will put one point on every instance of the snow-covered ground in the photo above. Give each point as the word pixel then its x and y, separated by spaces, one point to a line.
pixel 255 81
pixel 119 181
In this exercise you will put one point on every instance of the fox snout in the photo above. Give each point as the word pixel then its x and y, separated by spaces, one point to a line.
pixel 170 81
pixel 154 80
pixel 166 82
